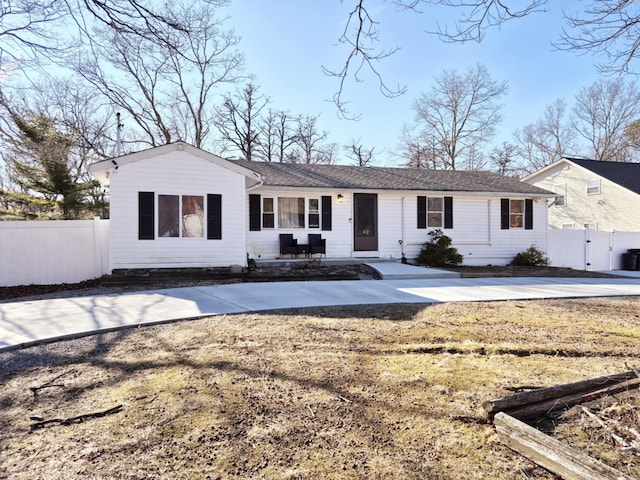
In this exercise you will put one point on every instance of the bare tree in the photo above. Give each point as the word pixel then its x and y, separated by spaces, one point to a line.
pixel 419 150
pixel 166 83
pixel 603 112
pixel 267 144
pixel 27 31
pixel 477 16
pixel 309 139
pixel 632 136
pixel 362 156
pixel 460 112
pixel 547 140
pixel 277 135
pixel 48 29
pixel 327 154
pixel 474 158
pixel 610 27
pixel 360 34
pixel 503 158
pixel 237 120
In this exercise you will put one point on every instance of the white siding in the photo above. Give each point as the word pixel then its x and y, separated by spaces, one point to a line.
pixel 175 173
pixel 614 208
pixel 265 244
pixel 476 233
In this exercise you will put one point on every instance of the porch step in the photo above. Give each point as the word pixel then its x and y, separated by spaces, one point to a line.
pixel 403 271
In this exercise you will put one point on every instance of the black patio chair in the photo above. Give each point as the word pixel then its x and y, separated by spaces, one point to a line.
pixel 317 244
pixel 288 244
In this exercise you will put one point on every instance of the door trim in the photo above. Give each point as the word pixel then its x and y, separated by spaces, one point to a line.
pixel 365 219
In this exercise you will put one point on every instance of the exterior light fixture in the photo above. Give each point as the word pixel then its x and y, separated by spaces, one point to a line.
pixel 340 198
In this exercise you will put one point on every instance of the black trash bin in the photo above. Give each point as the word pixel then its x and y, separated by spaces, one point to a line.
pixel 630 260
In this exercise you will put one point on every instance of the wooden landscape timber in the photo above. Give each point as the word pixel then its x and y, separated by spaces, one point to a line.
pixel 527 405
pixel 508 415
pixel 560 459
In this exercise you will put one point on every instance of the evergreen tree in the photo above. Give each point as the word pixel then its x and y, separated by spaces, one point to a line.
pixel 45 185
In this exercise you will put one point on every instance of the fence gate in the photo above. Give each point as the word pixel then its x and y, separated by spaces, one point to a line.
pixel 589 249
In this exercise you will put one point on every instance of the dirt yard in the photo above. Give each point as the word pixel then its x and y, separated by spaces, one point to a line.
pixel 335 393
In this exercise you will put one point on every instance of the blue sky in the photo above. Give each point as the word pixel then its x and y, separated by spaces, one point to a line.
pixel 286 43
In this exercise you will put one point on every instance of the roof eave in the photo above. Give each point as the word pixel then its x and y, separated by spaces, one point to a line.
pixel 102 170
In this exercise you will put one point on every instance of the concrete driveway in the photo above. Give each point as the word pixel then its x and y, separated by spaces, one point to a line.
pixel 30 322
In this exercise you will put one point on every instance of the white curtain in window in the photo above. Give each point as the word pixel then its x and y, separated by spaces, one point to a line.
pixel 290 212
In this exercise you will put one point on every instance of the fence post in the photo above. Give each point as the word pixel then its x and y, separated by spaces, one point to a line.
pixel 612 242
pixel 587 253
pixel 97 243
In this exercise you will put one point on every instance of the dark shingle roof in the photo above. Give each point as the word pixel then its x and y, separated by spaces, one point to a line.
pixel 625 174
pixel 383 178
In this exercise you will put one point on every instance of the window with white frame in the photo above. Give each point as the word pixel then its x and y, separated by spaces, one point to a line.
pixel 591 226
pixel 516 214
pixel 314 213
pixel 268 214
pixel 435 211
pixel 561 193
pixel 567 226
pixel 291 212
pixel 593 187
pixel 180 216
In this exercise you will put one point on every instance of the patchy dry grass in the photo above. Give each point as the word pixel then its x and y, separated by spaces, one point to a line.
pixel 360 392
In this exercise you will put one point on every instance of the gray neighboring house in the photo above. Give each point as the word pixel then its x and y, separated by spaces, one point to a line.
pixel 593 194
pixel 179 206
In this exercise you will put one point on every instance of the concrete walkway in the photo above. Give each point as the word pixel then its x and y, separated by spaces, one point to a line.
pixel 402 271
pixel 29 322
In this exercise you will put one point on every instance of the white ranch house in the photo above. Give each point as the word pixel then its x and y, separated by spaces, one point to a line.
pixel 177 206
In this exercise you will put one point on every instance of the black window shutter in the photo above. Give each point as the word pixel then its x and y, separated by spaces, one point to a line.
pixel 146 214
pixel 326 212
pixel 504 213
pixel 422 212
pixel 214 216
pixel 528 214
pixel 448 212
pixel 254 212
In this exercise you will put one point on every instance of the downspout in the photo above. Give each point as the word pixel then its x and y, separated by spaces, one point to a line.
pixel 403 259
pixel 489 221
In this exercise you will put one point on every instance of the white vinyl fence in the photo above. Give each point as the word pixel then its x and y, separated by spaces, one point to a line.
pixel 53 252
pixel 589 249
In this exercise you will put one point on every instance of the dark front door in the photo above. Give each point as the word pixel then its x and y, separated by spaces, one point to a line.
pixel 365 222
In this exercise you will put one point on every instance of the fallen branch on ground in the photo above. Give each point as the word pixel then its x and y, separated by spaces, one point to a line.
pixel 538 402
pixel 76 419
pixel 50 383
